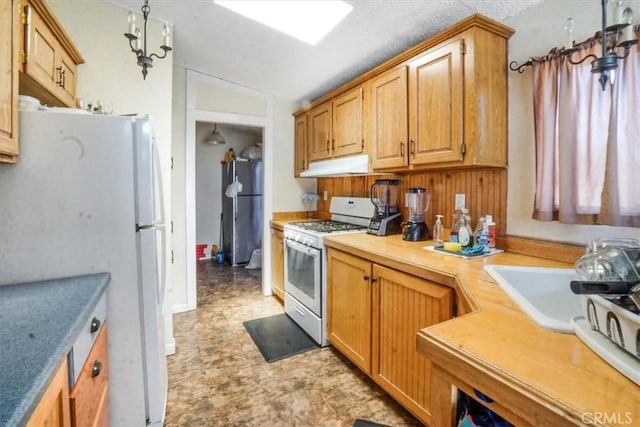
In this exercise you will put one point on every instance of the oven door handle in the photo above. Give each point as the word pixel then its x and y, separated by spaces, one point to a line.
pixel 302 248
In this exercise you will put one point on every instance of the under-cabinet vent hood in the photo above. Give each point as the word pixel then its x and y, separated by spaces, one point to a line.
pixel 337 167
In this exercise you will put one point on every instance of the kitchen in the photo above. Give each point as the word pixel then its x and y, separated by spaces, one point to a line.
pixel 91 25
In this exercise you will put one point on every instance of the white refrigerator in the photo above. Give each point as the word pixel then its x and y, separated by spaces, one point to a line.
pixel 86 197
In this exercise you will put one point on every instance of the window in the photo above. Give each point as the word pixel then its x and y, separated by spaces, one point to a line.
pixel 587 141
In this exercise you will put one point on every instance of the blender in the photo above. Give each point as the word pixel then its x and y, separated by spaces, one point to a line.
pixel 417 200
pixel 384 196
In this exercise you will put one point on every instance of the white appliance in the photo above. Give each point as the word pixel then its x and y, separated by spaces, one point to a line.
pixel 86 197
pixel 305 262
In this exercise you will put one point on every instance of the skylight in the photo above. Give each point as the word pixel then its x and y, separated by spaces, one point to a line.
pixel 306 20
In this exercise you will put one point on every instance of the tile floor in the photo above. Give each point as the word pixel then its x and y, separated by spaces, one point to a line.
pixel 218 377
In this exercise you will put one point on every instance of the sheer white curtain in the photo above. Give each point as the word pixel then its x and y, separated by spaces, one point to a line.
pixel 587 141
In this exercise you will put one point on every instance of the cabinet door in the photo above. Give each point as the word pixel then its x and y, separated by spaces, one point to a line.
pixel 405 304
pixel 9 81
pixel 349 306
pixel 436 105
pixel 388 119
pixel 53 408
pixel 277 263
pixel 319 141
pixel 300 153
pixel 347 124
pixel 41 62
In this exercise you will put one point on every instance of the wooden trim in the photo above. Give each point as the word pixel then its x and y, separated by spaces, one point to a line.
pixel 476 20
pixel 547 249
pixel 57 29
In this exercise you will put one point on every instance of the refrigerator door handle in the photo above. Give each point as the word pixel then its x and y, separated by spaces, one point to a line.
pixel 235 208
pixel 157 178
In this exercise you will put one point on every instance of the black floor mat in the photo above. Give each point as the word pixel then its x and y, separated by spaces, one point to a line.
pixel 278 337
pixel 364 423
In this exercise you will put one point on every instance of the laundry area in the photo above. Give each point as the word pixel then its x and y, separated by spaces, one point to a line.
pixel 229 186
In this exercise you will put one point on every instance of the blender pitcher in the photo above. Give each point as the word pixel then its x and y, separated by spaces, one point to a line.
pixel 417 201
pixel 387 218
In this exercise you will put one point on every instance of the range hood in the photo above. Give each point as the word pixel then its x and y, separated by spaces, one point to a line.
pixel 338 167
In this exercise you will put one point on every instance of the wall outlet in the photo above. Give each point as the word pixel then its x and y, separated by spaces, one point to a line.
pixel 325 195
pixel 459 201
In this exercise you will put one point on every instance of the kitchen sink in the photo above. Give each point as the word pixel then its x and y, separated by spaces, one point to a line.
pixel 543 293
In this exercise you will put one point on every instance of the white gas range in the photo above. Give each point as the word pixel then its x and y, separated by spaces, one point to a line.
pixel 305 262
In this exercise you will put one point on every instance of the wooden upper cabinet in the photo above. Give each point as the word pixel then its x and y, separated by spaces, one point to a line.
pixel 440 104
pixel 347 124
pixel 319 126
pixel 300 152
pixel 387 119
pixel 436 105
pixel 9 147
pixel 335 127
pixel 49 57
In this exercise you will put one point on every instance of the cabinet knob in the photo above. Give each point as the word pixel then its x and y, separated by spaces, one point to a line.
pixel 374 279
pixel 401 149
pixel 328 145
pixel 412 145
pixel 97 368
pixel 95 325
pixel 366 277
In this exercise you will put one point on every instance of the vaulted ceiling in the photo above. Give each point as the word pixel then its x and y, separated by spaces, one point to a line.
pixel 215 41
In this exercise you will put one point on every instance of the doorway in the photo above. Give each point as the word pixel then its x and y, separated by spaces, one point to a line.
pixel 213 143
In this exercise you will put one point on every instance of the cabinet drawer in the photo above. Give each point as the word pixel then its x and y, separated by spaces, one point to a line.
pixel 88 397
pixel 84 342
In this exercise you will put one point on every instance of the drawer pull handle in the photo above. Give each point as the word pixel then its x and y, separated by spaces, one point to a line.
pixel 97 368
pixel 95 325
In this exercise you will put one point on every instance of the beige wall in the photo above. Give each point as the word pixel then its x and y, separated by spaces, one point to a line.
pixel 537 31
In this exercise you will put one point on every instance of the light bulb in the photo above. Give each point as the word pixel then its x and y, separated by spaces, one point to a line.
pixel 166 36
pixel 568 33
pixel 132 23
pixel 627 32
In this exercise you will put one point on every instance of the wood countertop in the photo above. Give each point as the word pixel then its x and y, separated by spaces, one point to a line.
pixel 547 378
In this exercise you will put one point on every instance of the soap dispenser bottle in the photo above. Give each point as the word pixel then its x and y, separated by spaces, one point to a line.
pixel 438 233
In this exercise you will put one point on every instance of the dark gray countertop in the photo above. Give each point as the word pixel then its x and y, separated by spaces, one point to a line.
pixel 39 322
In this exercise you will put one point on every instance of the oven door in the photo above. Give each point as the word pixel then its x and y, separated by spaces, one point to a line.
pixel 302 274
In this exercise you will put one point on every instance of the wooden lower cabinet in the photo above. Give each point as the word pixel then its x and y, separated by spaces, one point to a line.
pixel 53 408
pixel 89 398
pixel 374 315
pixel 277 263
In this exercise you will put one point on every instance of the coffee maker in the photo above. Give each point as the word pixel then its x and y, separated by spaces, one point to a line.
pixel 387 218
pixel 417 201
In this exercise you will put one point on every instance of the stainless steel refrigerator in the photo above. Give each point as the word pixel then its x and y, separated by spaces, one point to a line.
pixel 241 209
pixel 86 197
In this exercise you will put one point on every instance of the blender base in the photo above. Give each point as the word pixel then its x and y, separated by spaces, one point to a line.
pixel 415 231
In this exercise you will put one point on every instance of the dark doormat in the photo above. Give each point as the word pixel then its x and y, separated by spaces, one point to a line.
pixel 278 337
pixel 364 423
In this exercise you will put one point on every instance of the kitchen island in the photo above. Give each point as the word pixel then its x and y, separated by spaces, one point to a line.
pixel 39 324
pixel 535 377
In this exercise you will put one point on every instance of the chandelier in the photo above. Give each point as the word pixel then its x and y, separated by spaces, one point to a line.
pixel 617 39
pixel 138 41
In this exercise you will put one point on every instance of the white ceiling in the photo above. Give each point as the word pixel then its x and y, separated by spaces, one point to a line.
pixel 215 41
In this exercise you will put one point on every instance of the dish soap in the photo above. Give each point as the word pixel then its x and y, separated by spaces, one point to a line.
pixel 465 234
pixel 438 233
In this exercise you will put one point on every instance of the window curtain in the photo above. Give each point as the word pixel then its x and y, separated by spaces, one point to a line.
pixel 586 140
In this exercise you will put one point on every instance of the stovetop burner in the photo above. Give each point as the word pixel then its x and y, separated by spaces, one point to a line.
pixel 328 226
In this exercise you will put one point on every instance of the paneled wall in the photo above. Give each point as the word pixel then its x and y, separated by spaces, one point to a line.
pixel 485 190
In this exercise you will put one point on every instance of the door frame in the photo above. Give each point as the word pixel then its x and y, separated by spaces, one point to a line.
pixel 194 115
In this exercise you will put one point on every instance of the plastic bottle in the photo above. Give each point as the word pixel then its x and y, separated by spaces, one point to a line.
pixel 478 230
pixel 465 234
pixel 455 226
pixel 491 228
pixel 438 233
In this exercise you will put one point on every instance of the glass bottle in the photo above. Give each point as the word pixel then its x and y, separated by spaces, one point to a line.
pixel 455 226
pixel 438 233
